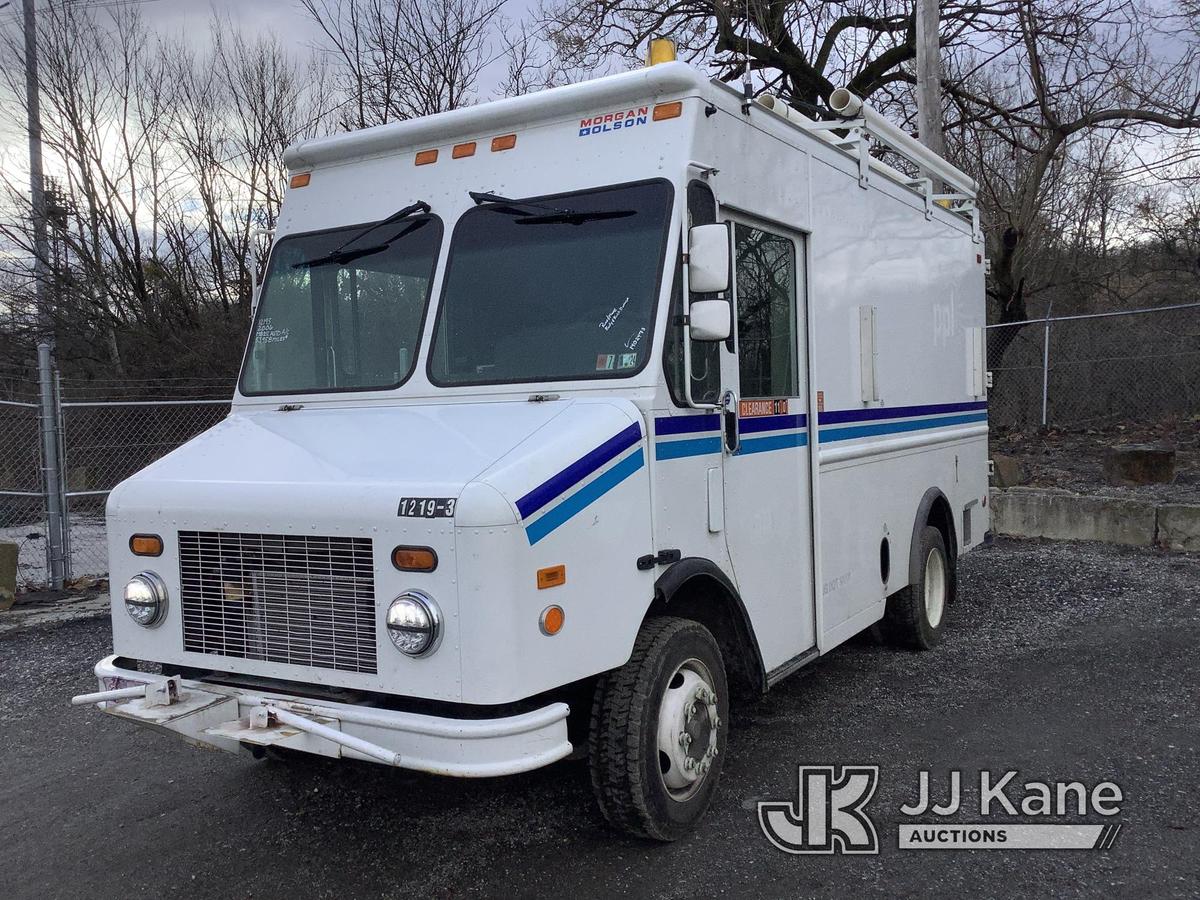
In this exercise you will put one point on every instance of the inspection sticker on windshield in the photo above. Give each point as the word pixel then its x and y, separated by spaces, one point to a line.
pixel 605 361
pixel 426 507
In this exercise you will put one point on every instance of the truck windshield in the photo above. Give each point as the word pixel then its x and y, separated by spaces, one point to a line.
pixel 342 322
pixel 560 289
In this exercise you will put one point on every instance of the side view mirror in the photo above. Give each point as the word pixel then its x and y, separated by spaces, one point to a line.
pixel 709 320
pixel 708 259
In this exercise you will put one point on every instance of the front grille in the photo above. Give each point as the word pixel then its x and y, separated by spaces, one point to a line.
pixel 297 599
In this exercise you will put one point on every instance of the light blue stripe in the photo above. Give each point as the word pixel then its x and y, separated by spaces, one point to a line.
pixel 772 442
pixel 584 497
pixel 857 431
pixel 690 447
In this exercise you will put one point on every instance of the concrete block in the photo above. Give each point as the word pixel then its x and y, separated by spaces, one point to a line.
pixel 1179 527
pixel 1139 464
pixel 1007 471
pixel 1061 515
pixel 8 575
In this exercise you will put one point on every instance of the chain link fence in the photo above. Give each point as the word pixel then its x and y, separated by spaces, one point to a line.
pixel 105 442
pixel 22 504
pixel 1067 389
pixel 1064 390
pixel 1074 371
pixel 107 431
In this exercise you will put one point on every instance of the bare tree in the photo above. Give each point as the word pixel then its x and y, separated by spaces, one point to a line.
pixel 1032 88
pixel 169 165
pixel 396 59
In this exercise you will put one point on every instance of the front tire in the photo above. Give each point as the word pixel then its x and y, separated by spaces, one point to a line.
pixel 658 731
pixel 916 616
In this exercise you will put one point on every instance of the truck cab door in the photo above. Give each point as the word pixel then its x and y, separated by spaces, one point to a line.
pixel 767 476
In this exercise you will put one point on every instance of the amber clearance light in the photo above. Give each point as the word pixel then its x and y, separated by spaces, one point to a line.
pixel 414 559
pixel 671 110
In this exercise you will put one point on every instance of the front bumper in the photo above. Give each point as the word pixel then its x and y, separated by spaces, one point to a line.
pixel 227 718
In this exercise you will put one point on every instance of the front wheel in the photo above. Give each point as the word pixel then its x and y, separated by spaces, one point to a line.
pixel 658 731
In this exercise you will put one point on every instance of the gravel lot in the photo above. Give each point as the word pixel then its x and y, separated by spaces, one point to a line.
pixel 1064 661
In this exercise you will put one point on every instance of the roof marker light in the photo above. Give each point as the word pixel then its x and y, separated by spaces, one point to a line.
pixel 504 142
pixel 300 180
pixel 461 150
pixel 425 157
pixel 672 110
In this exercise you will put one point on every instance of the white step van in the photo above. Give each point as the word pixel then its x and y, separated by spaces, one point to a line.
pixel 565 419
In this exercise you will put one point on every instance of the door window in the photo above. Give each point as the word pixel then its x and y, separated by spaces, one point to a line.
pixel 706 361
pixel 766 298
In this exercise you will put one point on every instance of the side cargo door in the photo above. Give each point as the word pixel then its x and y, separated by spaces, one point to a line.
pixel 768 508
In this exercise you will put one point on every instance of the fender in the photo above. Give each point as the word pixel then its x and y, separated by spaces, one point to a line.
pixel 679 575
pixel 924 511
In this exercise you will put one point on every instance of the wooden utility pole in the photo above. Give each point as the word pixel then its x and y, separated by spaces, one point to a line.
pixel 929 78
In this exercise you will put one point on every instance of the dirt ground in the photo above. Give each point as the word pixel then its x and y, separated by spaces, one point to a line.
pixel 1073 458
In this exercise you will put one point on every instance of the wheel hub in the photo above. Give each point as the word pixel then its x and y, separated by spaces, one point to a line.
pixel 688 724
pixel 935 587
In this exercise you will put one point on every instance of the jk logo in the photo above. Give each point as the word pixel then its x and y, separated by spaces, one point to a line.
pixel 828 817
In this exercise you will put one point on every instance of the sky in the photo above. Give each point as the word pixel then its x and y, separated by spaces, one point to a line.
pixel 191 19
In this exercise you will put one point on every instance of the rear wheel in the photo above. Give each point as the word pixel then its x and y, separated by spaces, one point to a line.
pixel 916 616
pixel 658 731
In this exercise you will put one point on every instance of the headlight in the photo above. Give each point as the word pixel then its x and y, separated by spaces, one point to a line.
pixel 146 599
pixel 414 623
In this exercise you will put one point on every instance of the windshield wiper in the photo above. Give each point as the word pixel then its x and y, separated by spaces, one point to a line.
pixel 341 255
pixel 552 215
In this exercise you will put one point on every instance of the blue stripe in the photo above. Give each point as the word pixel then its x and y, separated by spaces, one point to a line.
pixel 857 431
pixel 770 423
pixel 693 447
pixel 687 424
pixel 584 497
pixel 896 412
pixel 577 471
pixel 772 442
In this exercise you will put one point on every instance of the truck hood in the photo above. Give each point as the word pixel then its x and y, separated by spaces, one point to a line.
pixel 350 466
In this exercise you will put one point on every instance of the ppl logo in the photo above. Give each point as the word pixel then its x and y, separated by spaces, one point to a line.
pixel 614 121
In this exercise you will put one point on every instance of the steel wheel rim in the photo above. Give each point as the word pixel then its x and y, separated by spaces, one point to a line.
pixel 688 725
pixel 935 587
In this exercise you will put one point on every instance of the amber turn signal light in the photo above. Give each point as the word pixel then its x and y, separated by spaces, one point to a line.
pixel 414 559
pixel 552 576
pixel 300 180
pixel 552 620
pixel 146 545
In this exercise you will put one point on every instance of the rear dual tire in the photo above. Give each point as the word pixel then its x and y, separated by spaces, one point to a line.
pixel 916 616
